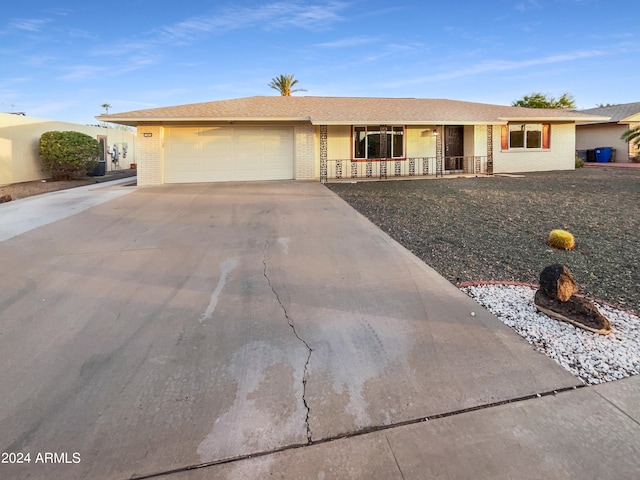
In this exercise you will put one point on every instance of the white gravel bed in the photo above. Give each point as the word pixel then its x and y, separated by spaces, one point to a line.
pixel 593 358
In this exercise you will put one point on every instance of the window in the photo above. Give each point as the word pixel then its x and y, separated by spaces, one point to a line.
pixel 526 135
pixel 366 142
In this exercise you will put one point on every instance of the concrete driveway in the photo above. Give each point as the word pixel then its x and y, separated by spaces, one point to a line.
pixel 181 325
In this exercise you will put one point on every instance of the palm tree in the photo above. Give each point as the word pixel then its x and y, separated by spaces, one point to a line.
pixel 284 84
pixel 106 106
pixel 632 135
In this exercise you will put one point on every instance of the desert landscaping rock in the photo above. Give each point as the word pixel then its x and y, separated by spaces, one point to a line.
pixel 556 298
pixel 592 357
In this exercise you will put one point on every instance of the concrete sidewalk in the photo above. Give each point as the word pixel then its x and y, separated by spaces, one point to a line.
pixel 25 214
pixel 587 433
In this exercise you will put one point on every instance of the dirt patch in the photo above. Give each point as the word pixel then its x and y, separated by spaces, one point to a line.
pixel 37 187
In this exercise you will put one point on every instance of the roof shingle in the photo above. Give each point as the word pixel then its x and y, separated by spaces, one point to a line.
pixel 344 110
pixel 615 112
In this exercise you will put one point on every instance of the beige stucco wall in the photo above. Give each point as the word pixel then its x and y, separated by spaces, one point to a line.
pixel 561 155
pixel 603 135
pixel 339 142
pixel 19 138
pixel 420 141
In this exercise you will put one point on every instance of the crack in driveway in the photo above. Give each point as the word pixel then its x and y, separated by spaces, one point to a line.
pixel 293 328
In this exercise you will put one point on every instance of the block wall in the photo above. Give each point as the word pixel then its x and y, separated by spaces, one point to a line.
pixel 150 155
pixel 305 162
pixel 561 155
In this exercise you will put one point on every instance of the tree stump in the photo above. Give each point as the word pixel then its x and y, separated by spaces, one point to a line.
pixel 557 298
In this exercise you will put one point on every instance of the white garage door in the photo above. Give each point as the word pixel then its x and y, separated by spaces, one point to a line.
pixel 222 154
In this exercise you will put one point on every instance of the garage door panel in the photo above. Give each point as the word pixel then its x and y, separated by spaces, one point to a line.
pixel 216 154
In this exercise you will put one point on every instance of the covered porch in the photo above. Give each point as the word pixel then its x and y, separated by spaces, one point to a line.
pixel 388 151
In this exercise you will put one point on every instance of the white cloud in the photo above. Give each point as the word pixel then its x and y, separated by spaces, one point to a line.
pixel 83 72
pixel 496 66
pixel 28 24
pixel 525 5
pixel 346 42
pixel 39 60
pixel 273 15
pixel 41 110
pixel 63 12
pixel 77 33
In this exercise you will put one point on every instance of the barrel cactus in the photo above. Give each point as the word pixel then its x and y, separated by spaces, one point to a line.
pixel 561 239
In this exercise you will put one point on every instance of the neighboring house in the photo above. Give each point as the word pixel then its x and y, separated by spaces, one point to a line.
pixel 597 134
pixel 323 138
pixel 20 136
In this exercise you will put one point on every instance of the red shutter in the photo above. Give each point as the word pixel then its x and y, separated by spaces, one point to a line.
pixel 546 135
pixel 504 138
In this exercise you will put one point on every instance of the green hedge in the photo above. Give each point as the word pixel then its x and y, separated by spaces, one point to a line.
pixel 68 154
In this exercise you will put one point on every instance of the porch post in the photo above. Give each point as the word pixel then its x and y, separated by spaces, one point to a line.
pixel 383 151
pixel 439 155
pixel 490 149
pixel 323 153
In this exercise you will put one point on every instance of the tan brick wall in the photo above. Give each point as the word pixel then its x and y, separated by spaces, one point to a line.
pixel 150 155
pixel 561 155
pixel 304 154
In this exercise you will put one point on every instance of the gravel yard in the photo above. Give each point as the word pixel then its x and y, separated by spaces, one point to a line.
pixel 494 228
pixel 594 358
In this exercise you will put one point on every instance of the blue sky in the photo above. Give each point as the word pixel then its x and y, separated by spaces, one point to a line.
pixel 63 60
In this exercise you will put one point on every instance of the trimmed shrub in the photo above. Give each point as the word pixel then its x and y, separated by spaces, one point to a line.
pixel 579 162
pixel 68 154
pixel 561 239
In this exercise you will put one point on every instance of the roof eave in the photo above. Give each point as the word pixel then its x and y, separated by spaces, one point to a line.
pixel 631 119
pixel 403 122
pixel 590 118
pixel 134 121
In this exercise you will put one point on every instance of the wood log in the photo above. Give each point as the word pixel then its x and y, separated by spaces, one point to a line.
pixel 577 311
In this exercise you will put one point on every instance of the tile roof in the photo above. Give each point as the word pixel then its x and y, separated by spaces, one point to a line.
pixel 344 110
pixel 615 112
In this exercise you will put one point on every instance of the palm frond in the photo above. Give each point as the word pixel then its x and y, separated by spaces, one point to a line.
pixel 632 135
pixel 284 84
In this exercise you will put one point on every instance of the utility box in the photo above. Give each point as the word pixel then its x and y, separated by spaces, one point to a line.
pixel 100 169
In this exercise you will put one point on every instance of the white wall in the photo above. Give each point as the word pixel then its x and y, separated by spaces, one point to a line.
pixel 561 155
pixel 19 138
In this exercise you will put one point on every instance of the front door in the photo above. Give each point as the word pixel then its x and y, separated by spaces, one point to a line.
pixel 453 147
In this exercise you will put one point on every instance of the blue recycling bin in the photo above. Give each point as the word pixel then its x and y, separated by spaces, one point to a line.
pixel 603 154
